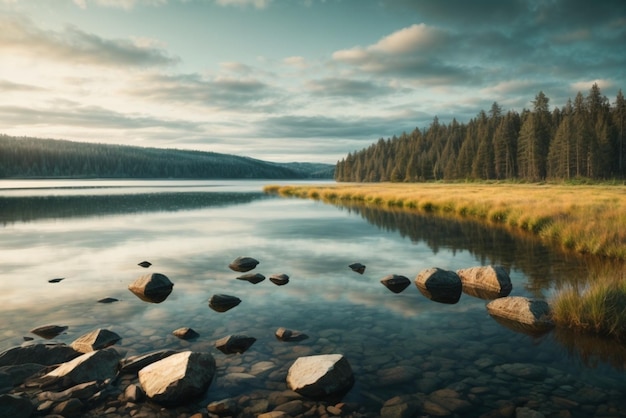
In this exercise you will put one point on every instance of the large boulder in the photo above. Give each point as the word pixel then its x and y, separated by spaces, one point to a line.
pixel 152 287
pixel 46 354
pixel 96 365
pixel 395 282
pixel 279 279
pixel 320 376
pixel 522 314
pixel 135 363
pixel 243 264
pixel 439 285
pixel 357 267
pixel 486 282
pixel 178 378
pixel 95 340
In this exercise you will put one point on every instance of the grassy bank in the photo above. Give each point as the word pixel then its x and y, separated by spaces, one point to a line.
pixel 588 219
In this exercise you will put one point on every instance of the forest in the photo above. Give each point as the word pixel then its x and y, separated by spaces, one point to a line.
pixel 584 139
pixel 24 157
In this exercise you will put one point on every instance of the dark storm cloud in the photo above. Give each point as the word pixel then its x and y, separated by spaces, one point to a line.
pixel 218 92
pixel 72 45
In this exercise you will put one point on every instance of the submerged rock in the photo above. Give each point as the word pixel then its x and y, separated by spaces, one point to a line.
pixel 185 333
pixel 178 378
pixel 234 344
pixel 486 282
pixel 152 287
pixel 284 334
pixel 222 303
pixel 395 283
pixel 280 279
pixel 357 267
pixel 320 376
pixel 438 285
pixel 48 331
pixel 145 264
pixel 253 278
pixel 95 340
pixel 243 264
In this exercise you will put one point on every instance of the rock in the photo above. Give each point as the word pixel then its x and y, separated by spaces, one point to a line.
pixel 320 376
pixel 525 370
pixel 253 278
pixel 95 340
pixel 234 344
pixel 81 391
pixel 243 264
pixel 226 406
pixel 279 279
pixel 16 374
pixel 48 331
pixel 56 280
pixel 400 407
pixel 46 354
pixel 178 378
pixel 222 303
pixel 108 300
pixel 524 412
pixel 522 314
pixel 135 363
pixel 153 287
pixel 439 285
pixel 486 282
pixel 284 334
pixel 133 393
pixel 145 264
pixel 69 408
pixel 396 375
pixel 274 414
pixel 15 406
pixel 358 267
pixel 292 408
pixel 395 283
pixel 95 365
pixel 185 333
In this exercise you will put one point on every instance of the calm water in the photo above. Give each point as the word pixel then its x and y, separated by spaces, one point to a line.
pixel 93 234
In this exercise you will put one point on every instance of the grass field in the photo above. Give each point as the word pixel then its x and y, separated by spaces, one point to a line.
pixel 588 219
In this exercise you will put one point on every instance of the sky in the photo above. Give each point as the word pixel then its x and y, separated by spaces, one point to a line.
pixel 292 80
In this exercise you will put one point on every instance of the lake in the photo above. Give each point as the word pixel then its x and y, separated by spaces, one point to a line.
pixel 451 359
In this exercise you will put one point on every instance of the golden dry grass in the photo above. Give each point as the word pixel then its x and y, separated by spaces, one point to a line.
pixel 588 219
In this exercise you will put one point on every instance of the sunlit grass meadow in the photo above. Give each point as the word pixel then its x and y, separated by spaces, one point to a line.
pixel 587 219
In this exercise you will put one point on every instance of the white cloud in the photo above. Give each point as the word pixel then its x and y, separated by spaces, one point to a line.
pixel 585 86
pixel 297 62
pixel 119 4
pixel 259 4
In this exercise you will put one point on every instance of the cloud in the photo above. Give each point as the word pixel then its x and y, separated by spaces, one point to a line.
pixel 218 92
pixel 585 86
pixel 119 4
pixel 66 113
pixel 74 46
pixel 344 87
pixel 8 86
pixel 297 62
pixel 259 4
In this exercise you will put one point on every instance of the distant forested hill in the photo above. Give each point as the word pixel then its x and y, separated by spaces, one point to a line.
pixel 585 138
pixel 23 157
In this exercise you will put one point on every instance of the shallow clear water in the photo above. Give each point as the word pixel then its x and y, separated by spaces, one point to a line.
pixel 93 234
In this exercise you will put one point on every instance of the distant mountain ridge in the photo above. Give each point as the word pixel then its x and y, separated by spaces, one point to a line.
pixel 26 157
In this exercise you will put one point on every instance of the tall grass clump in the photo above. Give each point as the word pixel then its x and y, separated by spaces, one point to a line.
pixel 599 307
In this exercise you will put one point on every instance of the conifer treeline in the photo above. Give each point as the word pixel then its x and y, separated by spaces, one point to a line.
pixel 583 139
